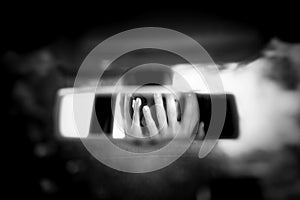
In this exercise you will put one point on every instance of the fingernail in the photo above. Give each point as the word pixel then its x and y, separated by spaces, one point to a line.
pixel 138 101
pixel 146 108
pixel 157 95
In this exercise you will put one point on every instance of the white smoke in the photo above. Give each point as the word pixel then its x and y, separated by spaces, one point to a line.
pixel 268 111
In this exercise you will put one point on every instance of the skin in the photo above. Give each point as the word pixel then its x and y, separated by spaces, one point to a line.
pixel 167 125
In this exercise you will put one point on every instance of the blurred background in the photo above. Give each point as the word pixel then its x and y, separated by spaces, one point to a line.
pixel 42 47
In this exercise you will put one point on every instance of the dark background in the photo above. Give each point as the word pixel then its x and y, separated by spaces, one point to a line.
pixel 26 27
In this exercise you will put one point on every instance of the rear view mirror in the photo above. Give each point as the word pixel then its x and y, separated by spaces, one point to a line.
pixel 104 116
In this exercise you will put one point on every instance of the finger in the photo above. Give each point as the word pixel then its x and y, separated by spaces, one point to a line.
pixel 190 113
pixel 200 134
pixel 127 117
pixel 135 126
pixel 149 121
pixel 171 111
pixel 160 112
